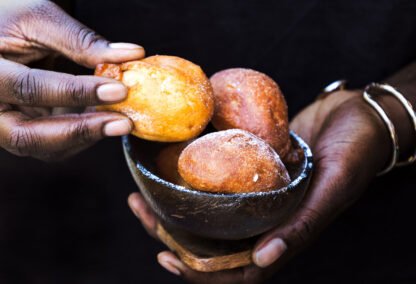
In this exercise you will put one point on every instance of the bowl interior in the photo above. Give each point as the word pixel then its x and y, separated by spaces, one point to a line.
pixel 144 152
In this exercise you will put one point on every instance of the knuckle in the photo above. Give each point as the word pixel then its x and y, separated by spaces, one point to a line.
pixel 75 92
pixel 82 42
pixel 82 132
pixel 26 88
pixel 22 141
pixel 84 38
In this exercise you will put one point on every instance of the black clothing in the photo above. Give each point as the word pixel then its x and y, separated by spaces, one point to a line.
pixel 69 222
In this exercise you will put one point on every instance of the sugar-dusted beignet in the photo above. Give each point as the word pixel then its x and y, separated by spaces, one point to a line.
pixel 232 161
pixel 250 100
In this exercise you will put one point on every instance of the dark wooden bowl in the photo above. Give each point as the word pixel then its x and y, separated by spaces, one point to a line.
pixel 211 215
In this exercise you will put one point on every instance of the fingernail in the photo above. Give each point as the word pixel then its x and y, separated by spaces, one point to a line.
pixel 169 267
pixel 268 254
pixel 134 203
pixel 112 92
pixel 124 45
pixel 170 264
pixel 118 128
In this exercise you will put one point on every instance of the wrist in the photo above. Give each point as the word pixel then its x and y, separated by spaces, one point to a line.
pixel 379 136
pixel 401 121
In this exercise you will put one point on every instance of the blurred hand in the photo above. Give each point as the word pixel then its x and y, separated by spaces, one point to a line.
pixel 31 30
pixel 350 144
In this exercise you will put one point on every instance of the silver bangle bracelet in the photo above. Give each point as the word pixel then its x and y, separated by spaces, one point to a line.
pixel 390 127
pixel 335 86
pixel 408 106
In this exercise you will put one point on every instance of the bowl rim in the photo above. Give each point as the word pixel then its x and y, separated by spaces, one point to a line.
pixel 306 171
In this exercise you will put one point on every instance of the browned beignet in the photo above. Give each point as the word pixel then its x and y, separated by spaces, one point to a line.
pixel 232 161
pixel 169 98
pixel 250 100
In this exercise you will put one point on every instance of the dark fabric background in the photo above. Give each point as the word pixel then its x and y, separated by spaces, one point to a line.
pixel 69 222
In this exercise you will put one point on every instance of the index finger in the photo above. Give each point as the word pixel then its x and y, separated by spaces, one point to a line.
pixel 49 26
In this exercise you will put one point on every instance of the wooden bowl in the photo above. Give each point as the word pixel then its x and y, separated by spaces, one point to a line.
pixel 215 215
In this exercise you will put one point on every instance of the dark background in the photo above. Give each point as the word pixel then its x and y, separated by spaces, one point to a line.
pixel 69 222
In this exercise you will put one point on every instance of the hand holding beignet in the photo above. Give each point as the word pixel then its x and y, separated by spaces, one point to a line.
pixel 169 98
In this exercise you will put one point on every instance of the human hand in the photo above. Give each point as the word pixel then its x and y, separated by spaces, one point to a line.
pixel 31 30
pixel 350 144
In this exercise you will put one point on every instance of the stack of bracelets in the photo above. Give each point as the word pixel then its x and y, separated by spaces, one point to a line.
pixel 368 93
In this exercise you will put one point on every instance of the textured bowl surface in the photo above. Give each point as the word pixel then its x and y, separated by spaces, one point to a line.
pixel 214 215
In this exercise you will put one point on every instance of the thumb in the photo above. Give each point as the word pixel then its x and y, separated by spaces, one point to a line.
pixel 49 26
pixel 325 199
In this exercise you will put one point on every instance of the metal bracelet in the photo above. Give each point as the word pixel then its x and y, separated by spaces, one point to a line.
pixel 409 108
pixel 390 127
pixel 332 87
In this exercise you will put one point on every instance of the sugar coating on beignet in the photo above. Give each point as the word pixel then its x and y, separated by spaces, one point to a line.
pixel 232 161
pixel 169 99
pixel 250 100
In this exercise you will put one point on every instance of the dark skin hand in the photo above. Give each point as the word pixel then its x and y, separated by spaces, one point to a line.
pixel 341 129
pixel 32 30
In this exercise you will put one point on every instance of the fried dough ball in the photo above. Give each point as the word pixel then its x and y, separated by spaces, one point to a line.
pixel 250 100
pixel 169 98
pixel 232 161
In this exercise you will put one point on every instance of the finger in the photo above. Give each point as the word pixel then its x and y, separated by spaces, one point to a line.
pixel 21 85
pixel 144 213
pixel 171 263
pixel 34 112
pixel 49 26
pixel 44 136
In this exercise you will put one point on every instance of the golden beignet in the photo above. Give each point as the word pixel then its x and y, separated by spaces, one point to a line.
pixel 169 98
pixel 250 100
pixel 232 161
